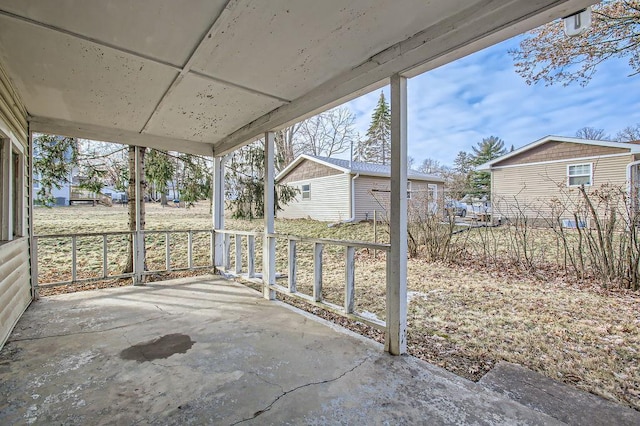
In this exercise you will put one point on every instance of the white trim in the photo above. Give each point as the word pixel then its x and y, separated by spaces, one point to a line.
pixel 408 189
pixel 435 191
pixel 566 160
pixel 633 148
pixel 10 221
pixel 580 175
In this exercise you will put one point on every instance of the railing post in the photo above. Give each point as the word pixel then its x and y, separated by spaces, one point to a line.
pixel 167 251
pixel 105 264
pixel 238 254
pixel 227 252
pixel 73 259
pixel 269 244
pixel 212 243
pixel 349 288
pixel 317 271
pixel 190 249
pixel 396 332
pixel 293 279
pixel 251 256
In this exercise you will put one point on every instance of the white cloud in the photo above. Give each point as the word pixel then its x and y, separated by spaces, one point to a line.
pixel 453 107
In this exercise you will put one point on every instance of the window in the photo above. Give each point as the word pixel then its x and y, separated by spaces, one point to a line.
pixel 408 190
pixel 12 200
pixel 433 192
pixel 579 174
pixel 306 192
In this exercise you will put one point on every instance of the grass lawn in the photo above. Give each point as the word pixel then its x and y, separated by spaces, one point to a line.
pixel 463 317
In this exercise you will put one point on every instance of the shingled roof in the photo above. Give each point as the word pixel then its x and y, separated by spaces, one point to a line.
pixel 357 167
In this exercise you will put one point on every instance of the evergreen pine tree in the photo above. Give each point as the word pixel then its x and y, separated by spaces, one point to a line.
pixel 376 147
pixel 487 150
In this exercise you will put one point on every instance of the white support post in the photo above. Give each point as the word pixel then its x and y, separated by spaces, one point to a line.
pixel 317 271
pixel 269 244
pixel 396 332
pixel 138 238
pixel 349 288
pixel 293 279
pixel 218 210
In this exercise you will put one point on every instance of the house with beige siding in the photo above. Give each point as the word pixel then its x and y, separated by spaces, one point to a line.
pixel 555 167
pixel 337 190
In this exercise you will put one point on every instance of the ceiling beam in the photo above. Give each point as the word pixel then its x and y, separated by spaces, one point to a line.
pixel 109 134
pixel 480 25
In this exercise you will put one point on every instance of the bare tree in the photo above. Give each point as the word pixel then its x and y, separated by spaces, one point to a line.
pixel 547 55
pixel 327 133
pixel 286 147
pixel 629 134
pixel 593 134
pixel 432 166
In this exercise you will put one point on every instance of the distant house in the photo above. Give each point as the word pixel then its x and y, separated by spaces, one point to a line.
pixel 332 189
pixel 536 173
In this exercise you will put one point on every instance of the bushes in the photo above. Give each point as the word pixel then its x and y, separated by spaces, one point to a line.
pixel 580 234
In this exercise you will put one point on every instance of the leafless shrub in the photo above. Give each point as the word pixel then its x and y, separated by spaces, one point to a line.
pixel 603 236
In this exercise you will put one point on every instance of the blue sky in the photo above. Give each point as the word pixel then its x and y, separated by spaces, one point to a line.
pixel 453 107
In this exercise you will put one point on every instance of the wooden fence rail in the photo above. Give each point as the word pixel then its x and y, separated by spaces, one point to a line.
pixel 243 242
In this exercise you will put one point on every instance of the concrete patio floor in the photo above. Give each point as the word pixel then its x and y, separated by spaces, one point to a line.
pixel 210 351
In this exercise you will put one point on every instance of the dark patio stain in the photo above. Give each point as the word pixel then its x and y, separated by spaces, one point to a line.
pixel 160 348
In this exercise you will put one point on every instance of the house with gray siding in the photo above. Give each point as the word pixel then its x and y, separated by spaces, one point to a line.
pixel 336 190
pixel 555 167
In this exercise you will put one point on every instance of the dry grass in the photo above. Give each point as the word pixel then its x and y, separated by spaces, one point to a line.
pixel 464 318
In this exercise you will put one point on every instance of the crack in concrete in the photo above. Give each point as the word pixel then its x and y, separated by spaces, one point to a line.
pixel 285 393
pixel 26 339
pixel 267 381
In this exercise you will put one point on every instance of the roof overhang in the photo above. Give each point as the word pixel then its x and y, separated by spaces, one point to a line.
pixel 411 175
pixel 208 76
pixel 633 148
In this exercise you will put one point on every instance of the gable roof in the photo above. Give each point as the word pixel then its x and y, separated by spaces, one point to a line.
pixel 355 167
pixel 633 147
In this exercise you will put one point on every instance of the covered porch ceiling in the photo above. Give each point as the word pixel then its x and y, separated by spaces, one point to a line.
pixel 208 76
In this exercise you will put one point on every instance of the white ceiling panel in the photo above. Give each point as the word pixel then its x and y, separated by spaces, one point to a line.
pixel 205 111
pixel 209 75
pixel 64 77
pixel 285 48
pixel 166 30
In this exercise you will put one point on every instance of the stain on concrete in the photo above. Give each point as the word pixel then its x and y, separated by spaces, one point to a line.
pixel 160 348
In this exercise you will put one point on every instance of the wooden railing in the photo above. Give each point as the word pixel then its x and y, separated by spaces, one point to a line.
pixel 103 273
pixel 243 260
pixel 291 289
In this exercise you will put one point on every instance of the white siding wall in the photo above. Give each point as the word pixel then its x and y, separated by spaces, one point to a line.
pixel 15 282
pixel 369 199
pixel 329 200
